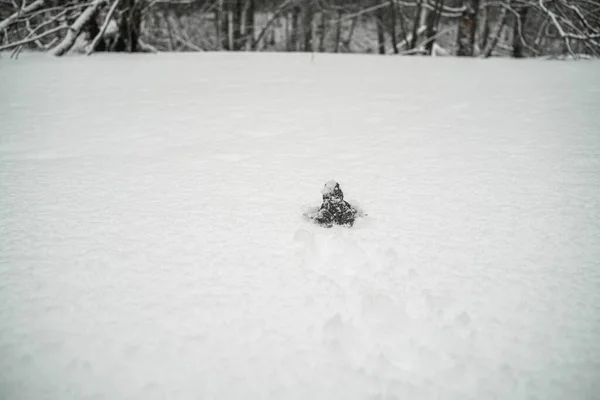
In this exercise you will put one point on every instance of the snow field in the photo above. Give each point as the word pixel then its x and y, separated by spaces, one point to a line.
pixel 152 243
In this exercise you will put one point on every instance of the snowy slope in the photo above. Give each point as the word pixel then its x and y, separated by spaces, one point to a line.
pixel 152 243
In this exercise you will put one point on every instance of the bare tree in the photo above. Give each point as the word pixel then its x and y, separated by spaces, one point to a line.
pixel 416 24
pixel 308 13
pixel 576 21
pixel 520 28
pixel 294 37
pixel 495 34
pixel 76 27
pixel 250 11
pixel 433 20
pixel 393 24
pixel 323 30
pixel 467 26
pixel 518 44
pixel 99 35
pixel 380 31
pixel 238 17
pixel 338 32
pixel 485 34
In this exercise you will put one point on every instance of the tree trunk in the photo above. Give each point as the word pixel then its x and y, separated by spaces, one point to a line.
pixel 403 28
pixel 237 24
pixel 288 33
pixel 218 21
pixel 415 32
pixel 486 27
pixel 224 23
pixel 93 30
pixel 129 27
pixel 323 31
pixel 170 32
pixel 350 34
pixel 518 46
pixel 269 33
pixel 250 10
pixel 433 20
pixel 338 32
pixel 295 28
pixel 75 29
pixel 271 37
pixel 495 36
pixel 467 26
pixel 307 26
pixel 393 23
pixel 229 16
pixel 380 33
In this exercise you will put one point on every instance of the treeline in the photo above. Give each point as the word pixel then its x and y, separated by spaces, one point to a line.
pixel 471 28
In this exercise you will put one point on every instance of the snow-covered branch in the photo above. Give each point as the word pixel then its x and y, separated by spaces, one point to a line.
pixel 518 22
pixel 22 11
pixel 75 29
pixel 539 27
pixel 34 38
pixel 447 12
pixel 104 26
pixel 590 35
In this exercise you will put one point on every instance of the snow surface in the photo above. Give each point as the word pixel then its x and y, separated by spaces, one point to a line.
pixel 152 244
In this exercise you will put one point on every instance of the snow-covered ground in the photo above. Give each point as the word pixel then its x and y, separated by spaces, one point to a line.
pixel 152 244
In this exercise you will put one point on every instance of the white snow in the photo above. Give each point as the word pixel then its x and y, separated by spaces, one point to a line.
pixel 329 187
pixel 152 244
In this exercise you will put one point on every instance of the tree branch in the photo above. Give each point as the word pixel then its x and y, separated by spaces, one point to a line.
pixel 104 26
pixel 487 52
pixel 519 25
pixel 448 12
pixel 276 15
pixel 75 29
pixel 33 39
pixel 25 10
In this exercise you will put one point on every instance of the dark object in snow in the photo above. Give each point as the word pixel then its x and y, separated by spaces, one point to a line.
pixel 334 209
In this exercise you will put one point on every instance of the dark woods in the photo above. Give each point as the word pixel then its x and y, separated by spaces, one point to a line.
pixel 468 28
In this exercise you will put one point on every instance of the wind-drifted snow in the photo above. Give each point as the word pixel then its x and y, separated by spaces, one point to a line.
pixel 152 243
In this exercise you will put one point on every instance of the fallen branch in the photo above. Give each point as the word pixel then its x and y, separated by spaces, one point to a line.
pixel 75 29
pixel 420 45
pixel 39 44
pixel 33 32
pixel 408 38
pixel 33 39
pixel 32 7
pixel 146 48
pixel 438 50
pixel 104 26
pixel 187 43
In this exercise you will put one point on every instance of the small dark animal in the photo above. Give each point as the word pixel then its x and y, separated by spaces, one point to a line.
pixel 334 210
